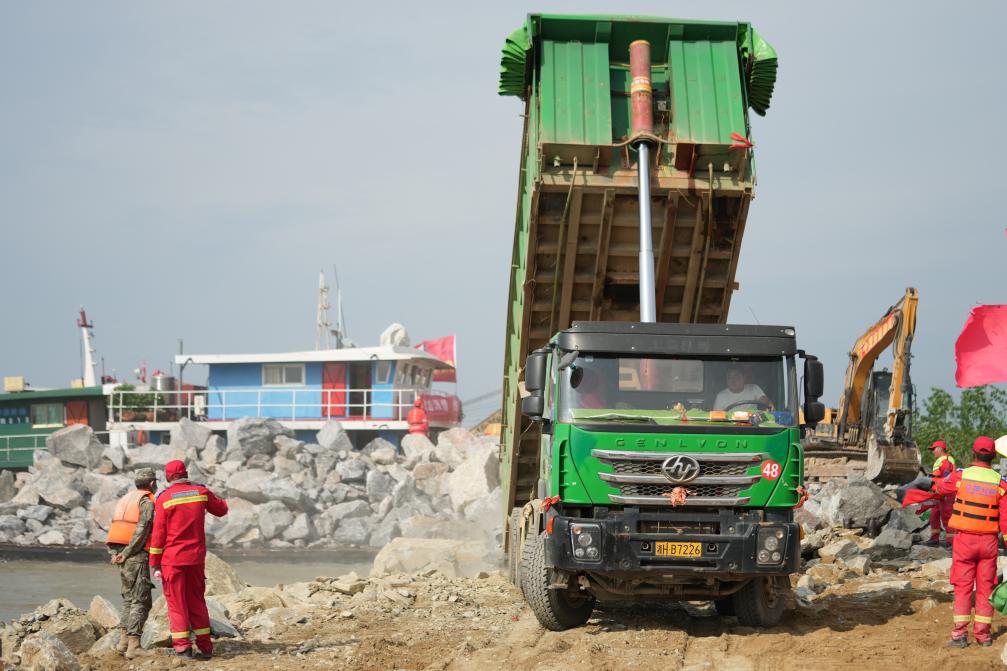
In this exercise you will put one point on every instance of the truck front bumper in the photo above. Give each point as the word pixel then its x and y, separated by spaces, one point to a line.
pixel 732 543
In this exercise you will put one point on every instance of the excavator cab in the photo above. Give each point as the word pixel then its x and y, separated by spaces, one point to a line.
pixel 892 456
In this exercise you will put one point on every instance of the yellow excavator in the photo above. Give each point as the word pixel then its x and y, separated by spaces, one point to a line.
pixel 870 433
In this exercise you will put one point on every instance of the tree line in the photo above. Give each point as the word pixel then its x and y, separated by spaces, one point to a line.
pixel 981 411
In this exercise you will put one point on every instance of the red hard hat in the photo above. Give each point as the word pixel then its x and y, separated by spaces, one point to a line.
pixel 939 443
pixel 418 401
pixel 983 445
pixel 175 469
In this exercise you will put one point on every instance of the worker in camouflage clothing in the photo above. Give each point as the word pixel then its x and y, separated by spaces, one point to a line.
pixel 128 542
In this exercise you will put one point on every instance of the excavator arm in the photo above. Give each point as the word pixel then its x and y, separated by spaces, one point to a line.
pixel 897 326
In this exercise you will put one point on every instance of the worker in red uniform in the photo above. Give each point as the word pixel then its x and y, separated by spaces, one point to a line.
pixel 178 555
pixel 417 418
pixel 978 518
pixel 944 465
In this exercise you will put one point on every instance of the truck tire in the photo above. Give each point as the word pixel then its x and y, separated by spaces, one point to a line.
pixel 725 606
pixel 556 610
pixel 514 548
pixel 762 601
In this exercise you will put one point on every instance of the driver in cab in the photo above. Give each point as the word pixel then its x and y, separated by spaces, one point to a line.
pixel 741 395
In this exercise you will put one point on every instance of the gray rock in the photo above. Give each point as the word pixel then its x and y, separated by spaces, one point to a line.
pixel 299 530
pixel 220 577
pixel 153 456
pixel 288 447
pixel 263 462
pixel 78 534
pixel 884 586
pixel 475 478
pixel 376 445
pixel 75 444
pixel 383 534
pixel 325 462
pixel 332 436
pixel 248 484
pixel 811 584
pixel 44 652
pixel 451 558
pixel 105 646
pixel 39 512
pixel 860 565
pixel 235 526
pixel 103 614
pixel 11 525
pixel 7 488
pixel 282 489
pixel 188 433
pixel 352 531
pixel 63 498
pixel 116 456
pixel 352 470
pixel 430 477
pixel 903 519
pixel 52 537
pixel 220 624
pixel 274 518
pixel 416 447
pixel 379 485
pixel 213 451
pixel 891 543
pixel 855 504
pixel 284 466
pixel 349 510
pixel 256 435
pixel 384 456
pixel 843 550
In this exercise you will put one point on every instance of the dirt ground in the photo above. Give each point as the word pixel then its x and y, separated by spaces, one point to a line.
pixel 483 624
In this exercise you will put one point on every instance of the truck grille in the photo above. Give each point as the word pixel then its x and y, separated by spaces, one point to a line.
pixel 638 477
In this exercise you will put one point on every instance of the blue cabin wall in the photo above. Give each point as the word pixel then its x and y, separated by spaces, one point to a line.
pixel 247 397
pixel 382 396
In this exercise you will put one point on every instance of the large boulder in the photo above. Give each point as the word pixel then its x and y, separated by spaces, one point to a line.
pixel 333 437
pixel 415 555
pixel 348 510
pixel 101 514
pixel 213 451
pixel 189 434
pixel 274 518
pixel 249 484
pixel 300 529
pixel 7 488
pixel 220 577
pixel 416 447
pixel 353 531
pixel 429 477
pixel 854 504
pixel 75 444
pixel 353 469
pixel 153 456
pixel 11 526
pixel 73 628
pixel 103 614
pixel 891 543
pixel 256 435
pixel 379 485
pixel 251 601
pixel 285 491
pixel 44 652
pixel 475 478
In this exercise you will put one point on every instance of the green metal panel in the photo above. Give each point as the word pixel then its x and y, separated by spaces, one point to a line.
pixel 22 397
pixel 707 103
pixel 575 94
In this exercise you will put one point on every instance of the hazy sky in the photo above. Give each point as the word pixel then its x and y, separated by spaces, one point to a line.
pixel 184 169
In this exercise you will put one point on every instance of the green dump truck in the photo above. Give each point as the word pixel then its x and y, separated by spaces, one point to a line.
pixel 649 450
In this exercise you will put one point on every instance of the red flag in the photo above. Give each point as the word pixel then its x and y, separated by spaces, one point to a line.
pixel 981 349
pixel 443 349
pixel 914 496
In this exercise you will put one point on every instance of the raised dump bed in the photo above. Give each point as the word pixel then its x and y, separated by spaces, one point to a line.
pixel 577 223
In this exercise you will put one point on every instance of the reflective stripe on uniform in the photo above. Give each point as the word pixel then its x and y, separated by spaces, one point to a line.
pixel 963 618
pixel 180 634
pixel 984 619
pixel 156 551
pixel 187 499
pixel 201 632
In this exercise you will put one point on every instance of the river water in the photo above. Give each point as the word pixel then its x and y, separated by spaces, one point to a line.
pixel 28 580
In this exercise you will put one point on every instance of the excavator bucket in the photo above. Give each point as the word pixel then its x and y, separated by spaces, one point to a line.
pixel 892 464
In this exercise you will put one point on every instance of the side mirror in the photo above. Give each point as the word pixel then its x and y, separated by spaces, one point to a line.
pixel 534 371
pixel 814 379
pixel 814 412
pixel 533 406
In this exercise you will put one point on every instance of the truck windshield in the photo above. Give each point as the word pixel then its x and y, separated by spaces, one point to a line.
pixel 735 391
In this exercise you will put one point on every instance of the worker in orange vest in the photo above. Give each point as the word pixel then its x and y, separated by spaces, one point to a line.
pixel 944 465
pixel 978 519
pixel 417 418
pixel 128 542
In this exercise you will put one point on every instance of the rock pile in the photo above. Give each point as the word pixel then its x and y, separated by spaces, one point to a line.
pixel 281 492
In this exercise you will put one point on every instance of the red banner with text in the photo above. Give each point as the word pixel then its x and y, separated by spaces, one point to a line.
pixel 443 349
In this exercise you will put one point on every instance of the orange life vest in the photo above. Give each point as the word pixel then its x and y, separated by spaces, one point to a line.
pixel 126 516
pixel 977 501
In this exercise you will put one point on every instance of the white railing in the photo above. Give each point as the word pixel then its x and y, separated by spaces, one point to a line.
pixel 288 403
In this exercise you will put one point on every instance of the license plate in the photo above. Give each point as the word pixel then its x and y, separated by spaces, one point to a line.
pixel 664 549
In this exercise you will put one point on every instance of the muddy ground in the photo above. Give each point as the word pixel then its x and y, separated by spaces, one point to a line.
pixel 483 624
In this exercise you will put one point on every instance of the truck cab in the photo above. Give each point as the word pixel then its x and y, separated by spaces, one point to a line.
pixel 670 465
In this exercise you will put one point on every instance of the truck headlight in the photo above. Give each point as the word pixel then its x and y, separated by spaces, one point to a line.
pixel 586 541
pixel 769 541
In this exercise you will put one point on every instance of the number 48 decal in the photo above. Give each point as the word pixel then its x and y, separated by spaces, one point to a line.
pixel 771 470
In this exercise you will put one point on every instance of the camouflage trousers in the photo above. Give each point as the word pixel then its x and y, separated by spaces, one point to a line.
pixel 136 588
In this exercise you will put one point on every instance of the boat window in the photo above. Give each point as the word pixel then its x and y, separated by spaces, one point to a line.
pixel 383 372
pixel 16 415
pixel 403 374
pixel 282 374
pixel 47 414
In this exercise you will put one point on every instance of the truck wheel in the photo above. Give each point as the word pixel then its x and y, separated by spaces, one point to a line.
pixel 514 548
pixel 761 602
pixel 554 609
pixel 725 606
